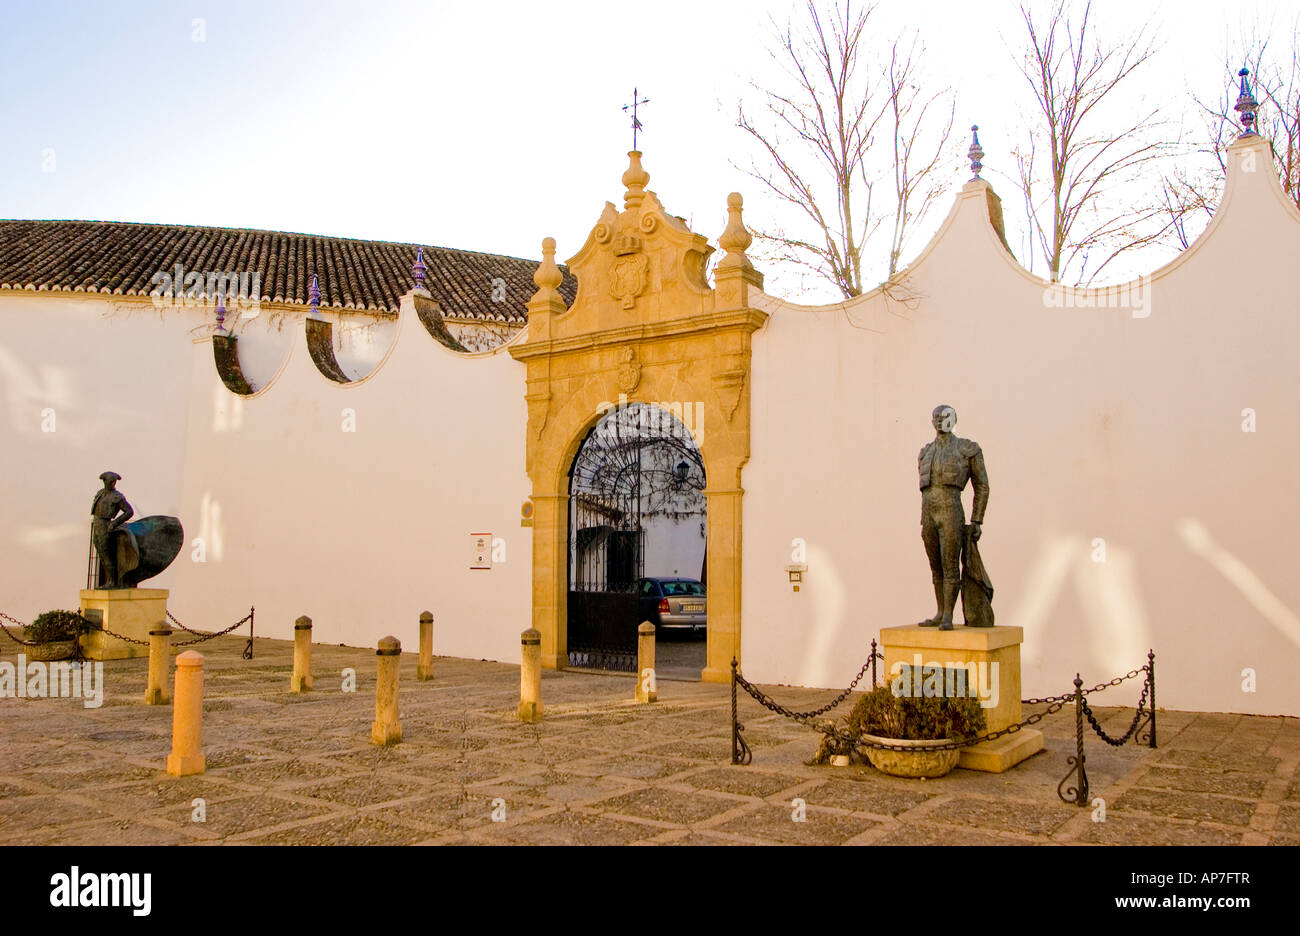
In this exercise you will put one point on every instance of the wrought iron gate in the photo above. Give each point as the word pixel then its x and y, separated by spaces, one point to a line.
pixel 606 551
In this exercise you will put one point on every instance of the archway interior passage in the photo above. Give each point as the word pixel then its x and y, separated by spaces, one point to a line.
pixel 637 532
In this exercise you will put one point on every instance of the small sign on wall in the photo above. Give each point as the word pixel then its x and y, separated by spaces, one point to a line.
pixel 480 551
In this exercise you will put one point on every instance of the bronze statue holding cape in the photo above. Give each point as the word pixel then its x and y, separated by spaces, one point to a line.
pixel 128 553
pixel 945 466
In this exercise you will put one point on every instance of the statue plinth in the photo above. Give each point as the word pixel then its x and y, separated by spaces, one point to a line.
pixel 130 612
pixel 991 657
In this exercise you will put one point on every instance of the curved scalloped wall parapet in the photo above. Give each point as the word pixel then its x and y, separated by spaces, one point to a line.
pixel 225 353
pixel 320 344
pixel 431 318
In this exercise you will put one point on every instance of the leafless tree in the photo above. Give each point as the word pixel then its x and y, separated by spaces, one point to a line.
pixel 1194 189
pixel 1077 167
pixel 819 146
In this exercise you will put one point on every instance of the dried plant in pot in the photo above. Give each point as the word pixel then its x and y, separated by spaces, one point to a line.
pixel 918 723
pixel 54 635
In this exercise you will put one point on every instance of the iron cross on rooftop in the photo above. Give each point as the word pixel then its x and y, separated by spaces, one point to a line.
pixel 636 123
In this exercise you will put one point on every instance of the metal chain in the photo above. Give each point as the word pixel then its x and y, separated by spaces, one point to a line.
pixel 846 737
pixel 171 617
pixel 25 643
pixel 1100 687
pixel 1114 682
pixel 142 643
pixel 843 695
pixel 1137 717
pixel 186 643
pixel 19 640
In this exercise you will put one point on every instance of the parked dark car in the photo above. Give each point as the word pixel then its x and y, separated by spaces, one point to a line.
pixel 676 604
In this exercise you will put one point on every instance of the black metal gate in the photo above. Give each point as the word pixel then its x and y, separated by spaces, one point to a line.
pixel 606 551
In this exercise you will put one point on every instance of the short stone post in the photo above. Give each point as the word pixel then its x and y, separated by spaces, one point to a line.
pixel 530 675
pixel 300 681
pixel 424 669
pixel 160 657
pixel 647 689
pixel 187 717
pixel 387 729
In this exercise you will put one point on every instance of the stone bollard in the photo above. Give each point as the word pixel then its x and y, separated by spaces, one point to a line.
pixel 530 675
pixel 160 657
pixel 387 729
pixel 300 681
pixel 187 716
pixel 647 689
pixel 424 669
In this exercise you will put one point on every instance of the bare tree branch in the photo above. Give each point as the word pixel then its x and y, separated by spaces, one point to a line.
pixel 1076 222
pixel 815 146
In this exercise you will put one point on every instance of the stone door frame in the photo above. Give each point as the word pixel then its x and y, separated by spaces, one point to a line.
pixel 646 326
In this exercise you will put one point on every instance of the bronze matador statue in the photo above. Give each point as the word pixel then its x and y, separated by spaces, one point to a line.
pixel 108 511
pixel 945 466
pixel 129 553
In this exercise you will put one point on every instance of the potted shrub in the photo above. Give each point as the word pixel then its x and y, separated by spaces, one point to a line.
pixel 919 723
pixel 55 634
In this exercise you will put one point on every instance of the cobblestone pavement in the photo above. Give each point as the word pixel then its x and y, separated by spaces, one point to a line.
pixel 288 769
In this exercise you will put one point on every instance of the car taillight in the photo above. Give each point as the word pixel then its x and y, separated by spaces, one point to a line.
pixel 663 606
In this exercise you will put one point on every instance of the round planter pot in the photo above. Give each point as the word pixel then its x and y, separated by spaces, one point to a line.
pixel 53 650
pixel 918 761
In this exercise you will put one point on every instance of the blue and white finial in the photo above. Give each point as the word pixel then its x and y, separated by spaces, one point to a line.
pixel 313 299
pixel 418 268
pixel 1246 105
pixel 976 153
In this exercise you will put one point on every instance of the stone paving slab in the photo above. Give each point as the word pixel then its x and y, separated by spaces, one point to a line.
pixel 599 769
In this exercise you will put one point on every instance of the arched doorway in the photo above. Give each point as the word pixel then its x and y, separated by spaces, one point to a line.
pixel 637 544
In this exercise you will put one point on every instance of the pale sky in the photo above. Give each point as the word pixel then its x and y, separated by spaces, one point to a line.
pixel 480 126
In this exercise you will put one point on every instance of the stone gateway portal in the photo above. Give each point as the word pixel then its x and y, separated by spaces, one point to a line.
pixel 645 326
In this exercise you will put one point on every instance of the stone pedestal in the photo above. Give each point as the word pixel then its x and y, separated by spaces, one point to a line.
pixel 131 612
pixel 988 654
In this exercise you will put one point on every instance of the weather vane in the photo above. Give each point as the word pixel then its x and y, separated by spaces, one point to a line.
pixel 636 123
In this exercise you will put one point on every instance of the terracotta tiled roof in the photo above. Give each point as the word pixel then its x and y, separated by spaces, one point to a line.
pixel 121 258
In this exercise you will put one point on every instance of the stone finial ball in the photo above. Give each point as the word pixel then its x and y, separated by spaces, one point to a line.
pixel 548 245
pixel 735 201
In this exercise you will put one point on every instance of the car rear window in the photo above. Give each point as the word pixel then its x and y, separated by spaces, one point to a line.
pixel 683 588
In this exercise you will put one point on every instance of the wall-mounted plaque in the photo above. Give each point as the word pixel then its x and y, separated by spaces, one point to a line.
pixel 480 551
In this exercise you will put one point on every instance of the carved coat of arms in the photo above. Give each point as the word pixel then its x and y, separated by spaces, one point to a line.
pixel 628 274
pixel 629 371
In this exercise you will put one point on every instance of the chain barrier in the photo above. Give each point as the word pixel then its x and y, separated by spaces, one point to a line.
pixel 869 665
pixel 845 737
pixel 203 635
pixel 76 644
pixel 10 634
pixel 1100 687
pixel 105 630
pixel 844 741
pixel 1137 718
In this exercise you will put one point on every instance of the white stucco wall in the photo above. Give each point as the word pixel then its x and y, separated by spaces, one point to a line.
pixel 86 385
pixel 362 530
pixel 1095 424
pixel 674 547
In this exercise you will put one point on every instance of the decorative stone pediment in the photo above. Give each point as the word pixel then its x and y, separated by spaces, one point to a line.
pixel 640 265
